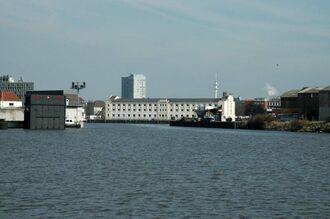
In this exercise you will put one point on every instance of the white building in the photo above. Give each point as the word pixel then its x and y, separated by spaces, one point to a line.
pixel 9 99
pixel 74 112
pixel 95 110
pixel 165 109
pixel 133 86
pixel 11 108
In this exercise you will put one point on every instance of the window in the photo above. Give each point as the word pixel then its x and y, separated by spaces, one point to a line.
pixel 11 104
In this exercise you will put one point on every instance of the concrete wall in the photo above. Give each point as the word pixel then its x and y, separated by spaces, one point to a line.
pixel 12 114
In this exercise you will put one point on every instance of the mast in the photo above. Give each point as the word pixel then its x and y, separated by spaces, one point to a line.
pixel 216 86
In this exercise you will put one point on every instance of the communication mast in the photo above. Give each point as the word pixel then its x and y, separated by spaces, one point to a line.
pixel 216 86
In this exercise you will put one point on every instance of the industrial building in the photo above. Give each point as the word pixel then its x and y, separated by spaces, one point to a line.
pixel 311 103
pixel 8 83
pixel 165 109
pixel 324 102
pixel 133 86
pixel 45 110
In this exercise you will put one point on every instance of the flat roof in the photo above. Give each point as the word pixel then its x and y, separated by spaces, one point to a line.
pixel 172 100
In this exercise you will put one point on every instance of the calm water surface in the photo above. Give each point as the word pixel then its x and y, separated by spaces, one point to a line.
pixel 156 171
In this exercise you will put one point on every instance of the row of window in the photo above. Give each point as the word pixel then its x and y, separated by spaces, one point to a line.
pixel 161 105
pixel 155 110
pixel 145 116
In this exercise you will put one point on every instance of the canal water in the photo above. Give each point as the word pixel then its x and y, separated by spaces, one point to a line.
pixel 157 171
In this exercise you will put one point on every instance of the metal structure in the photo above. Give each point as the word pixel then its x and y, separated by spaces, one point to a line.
pixel 78 86
pixel 44 110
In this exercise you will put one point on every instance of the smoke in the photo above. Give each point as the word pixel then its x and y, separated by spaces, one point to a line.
pixel 271 91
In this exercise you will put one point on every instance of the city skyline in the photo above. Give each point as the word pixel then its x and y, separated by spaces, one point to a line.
pixel 255 47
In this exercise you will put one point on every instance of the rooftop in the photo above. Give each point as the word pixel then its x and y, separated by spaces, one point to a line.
pixel 172 100
pixel 309 90
pixel 8 96
pixel 290 93
pixel 326 88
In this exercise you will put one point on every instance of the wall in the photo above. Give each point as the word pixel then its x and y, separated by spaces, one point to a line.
pixel 12 114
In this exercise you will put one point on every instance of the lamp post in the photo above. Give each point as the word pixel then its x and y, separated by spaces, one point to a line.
pixel 78 86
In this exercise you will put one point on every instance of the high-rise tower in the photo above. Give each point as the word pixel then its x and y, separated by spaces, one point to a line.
pixel 133 86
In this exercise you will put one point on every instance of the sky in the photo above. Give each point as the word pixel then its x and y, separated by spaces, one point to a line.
pixel 256 47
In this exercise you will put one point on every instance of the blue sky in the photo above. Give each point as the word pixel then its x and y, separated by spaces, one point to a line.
pixel 179 45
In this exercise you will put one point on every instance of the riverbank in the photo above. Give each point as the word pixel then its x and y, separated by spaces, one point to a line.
pixel 267 123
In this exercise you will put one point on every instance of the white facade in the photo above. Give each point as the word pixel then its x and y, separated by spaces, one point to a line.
pixel 11 104
pixel 74 116
pixel 228 108
pixel 133 86
pixel 163 109
pixel 12 114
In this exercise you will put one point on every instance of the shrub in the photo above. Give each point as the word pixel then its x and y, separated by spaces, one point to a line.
pixel 257 122
pixel 296 125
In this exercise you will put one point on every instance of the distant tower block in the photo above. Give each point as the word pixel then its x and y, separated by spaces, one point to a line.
pixel 216 86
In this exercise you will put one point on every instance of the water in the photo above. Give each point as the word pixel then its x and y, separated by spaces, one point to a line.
pixel 156 171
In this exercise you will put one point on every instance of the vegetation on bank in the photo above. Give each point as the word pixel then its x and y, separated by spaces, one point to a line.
pixel 266 122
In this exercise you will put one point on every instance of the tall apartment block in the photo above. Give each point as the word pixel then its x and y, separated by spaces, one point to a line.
pixel 133 86
pixel 8 83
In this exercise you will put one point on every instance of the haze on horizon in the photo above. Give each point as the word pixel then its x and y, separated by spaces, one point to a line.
pixel 253 45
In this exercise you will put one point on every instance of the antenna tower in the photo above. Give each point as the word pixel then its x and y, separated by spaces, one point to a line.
pixel 216 86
